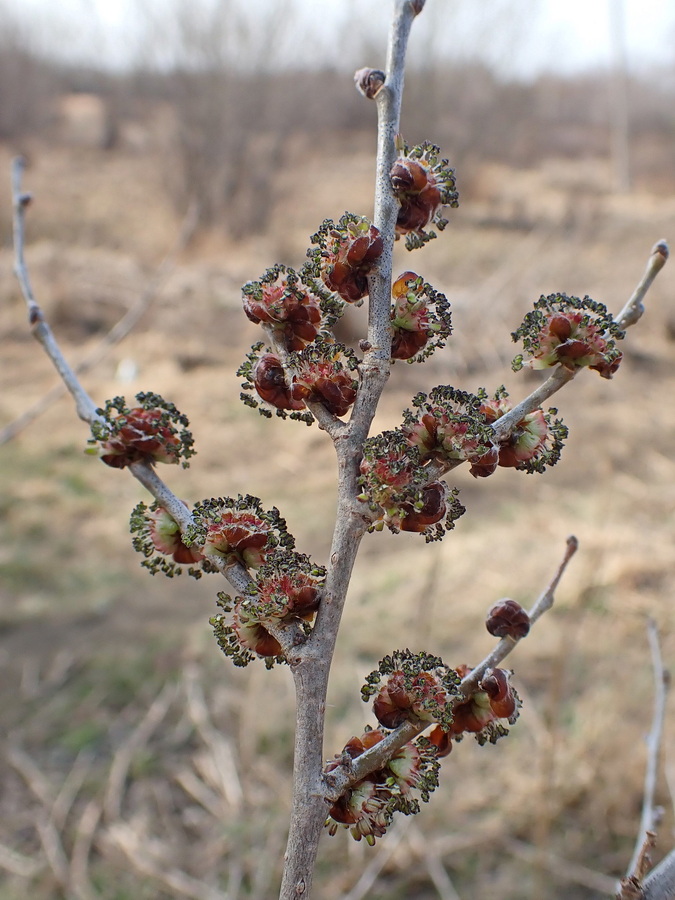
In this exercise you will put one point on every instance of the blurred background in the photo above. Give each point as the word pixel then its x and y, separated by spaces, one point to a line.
pixel 175 150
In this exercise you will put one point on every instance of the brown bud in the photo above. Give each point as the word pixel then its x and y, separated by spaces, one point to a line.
pixel 508 618
pixel 496 685
pixel 369 82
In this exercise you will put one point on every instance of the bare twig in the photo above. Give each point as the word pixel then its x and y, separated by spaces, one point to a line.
pixel 561 868
pixel 648 820
pixel 507 644
pixel 18 864
pixel 387 848
pixel 117 333
pixel 634 308
pixel 84 405
pixel 114 793
pixel 80 884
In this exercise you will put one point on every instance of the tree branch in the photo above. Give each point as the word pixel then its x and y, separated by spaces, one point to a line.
pixel 352 771
pixel 648 819
pixel 116 334
pixel 311 666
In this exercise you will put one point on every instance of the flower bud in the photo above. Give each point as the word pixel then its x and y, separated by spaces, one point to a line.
pixel 369 82
pixel 508 618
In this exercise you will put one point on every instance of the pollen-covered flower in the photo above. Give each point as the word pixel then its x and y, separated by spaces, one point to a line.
pixel 417 686
pixel 420 318
pixel 396 488
pixel 536 441
pixel 449 425
pixel 158 537
pixel 325 373
pixel 485 711
pixel 571 332
pixel 265 376
pixel 366 809
pixel 237 530
pixel 422 182
pixel 294 307
pixel 241 635
pixel 152 432
pixel 345 255
pixel 289 586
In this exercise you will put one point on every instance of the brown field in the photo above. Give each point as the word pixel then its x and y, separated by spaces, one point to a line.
pixel 137 762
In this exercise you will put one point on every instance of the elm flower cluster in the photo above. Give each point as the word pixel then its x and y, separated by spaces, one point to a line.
pixel 571 332
pixel 154 431
pixel 158 538
pixel 422 183
pixel 534 443
pixel 416 686
pixel 324 372
pixel 286 589
pixel 237 530
pixel 295 308
pixel 450 426
pixel 367 808
pixel 486 713
pixel 420 318
pixel 394 484
pixel 346 254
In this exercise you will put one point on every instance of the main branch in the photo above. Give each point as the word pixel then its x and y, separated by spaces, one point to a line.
pixel 311 664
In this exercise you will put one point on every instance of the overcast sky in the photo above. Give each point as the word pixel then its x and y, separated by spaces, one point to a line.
pixel 520 36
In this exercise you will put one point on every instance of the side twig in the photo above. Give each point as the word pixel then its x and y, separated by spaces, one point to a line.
pixel 117 333
pixel 633 885
pixel 352 771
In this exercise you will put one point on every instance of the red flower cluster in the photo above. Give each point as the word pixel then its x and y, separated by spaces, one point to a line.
pixel 394 485
pixel 158 537
pixel 237 531
pixel 536 441
pixel 286 589
pixel 269 380
pixel 422 183
pixel 367 808
pixel 417 686
pixel 346 254
pixel 420 318
pixel 480 714
pixel 295 309
pixel 324 372
pixel 571 332
pixel 146 433
pixel 449 425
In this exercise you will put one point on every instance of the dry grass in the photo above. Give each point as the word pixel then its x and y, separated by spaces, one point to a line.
pixel 137 762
